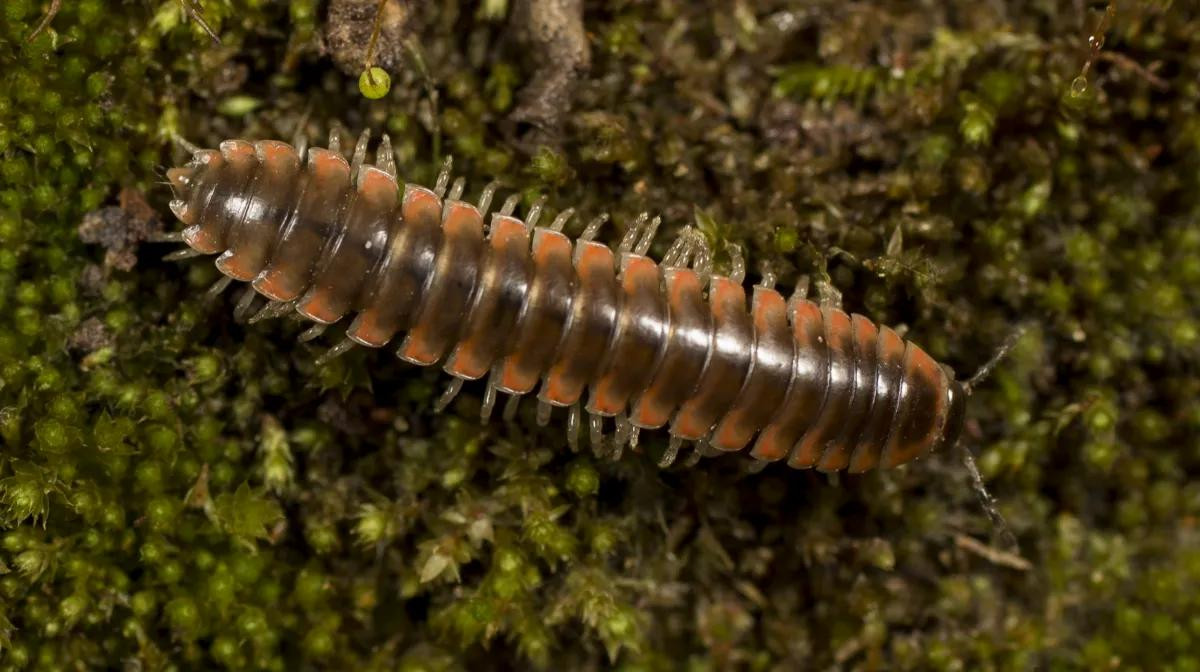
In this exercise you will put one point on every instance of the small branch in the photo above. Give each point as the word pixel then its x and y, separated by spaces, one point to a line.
pixel 1123 61
pixel 50 13
pixel 992 555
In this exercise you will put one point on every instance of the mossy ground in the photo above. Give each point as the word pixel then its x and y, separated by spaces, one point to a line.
pixel 178 491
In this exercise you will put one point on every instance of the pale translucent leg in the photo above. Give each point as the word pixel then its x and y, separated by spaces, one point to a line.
pixel 632 233
pixel 335 140
pixel 456 191
pixel 244 305
pixel 643 245
pixel 737 263
pixel 593 227
pixel 672 452
pixel 573 419
pixel 181 255
pixel 680 249
pixel 452 390
pixel 543 413
pixel 167 236
pixel 485 197
pixel 218 287
pixel 273 310
pixel 561 220
pixel 596 433
pixel 768 279
pixel 184 144
pixel 510 205
pixel 535 212
pixel 511 406
pixel 385 159
pixel 312 332
pixel 702 260
pixel 489 399
pixel 443 178
pixel 360 152
pixel 336 351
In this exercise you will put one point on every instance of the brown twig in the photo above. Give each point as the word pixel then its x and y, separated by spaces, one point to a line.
pixel 992 555
pixel 1123 61
pixel 50 13
pixel 191 8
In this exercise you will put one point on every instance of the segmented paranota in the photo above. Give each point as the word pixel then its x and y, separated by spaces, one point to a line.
pixel 612 334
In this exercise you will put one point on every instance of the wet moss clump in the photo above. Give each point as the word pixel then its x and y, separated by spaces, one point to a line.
pixel 181 491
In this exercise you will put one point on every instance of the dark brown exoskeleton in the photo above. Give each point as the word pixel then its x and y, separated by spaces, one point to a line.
pixel 651 344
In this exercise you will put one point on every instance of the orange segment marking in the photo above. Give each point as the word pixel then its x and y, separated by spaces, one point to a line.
pixel 519 373
pixel 427 341
pixel 639 276
pixel 737 428
pixel 563 385
pixel 683 363
pixel 694 421
pixel 469 359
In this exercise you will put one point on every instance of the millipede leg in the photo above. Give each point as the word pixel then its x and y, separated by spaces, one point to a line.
pixel 510 205
pixel 218 287
pixel 336 351
pixel 693 457
pixel 631 234
pixel 827 294
pixel 756 466
pixel 485 197
pixel 360 152
pixel 489 400
pixel 680 249
pixel 184 144
pixel 643 244
pixel 596 433
pixel 457 189
pixel 620 437
pixel 166 236
pixel 800 293
pixel 335 140
pixel 452 390
pixel 299 136
pixel 312 332
pixel 737 263
pixel 573 419
pixel 511 405
pixel 180 255
pixel 672 452
pixel 561 220
pixel 244 305
pixel 385 160
pixel 535 212
pixel 702 260
pixel 768 277
pixel 593 227
pixel 543 413
pixel 443 178
pixel 272 310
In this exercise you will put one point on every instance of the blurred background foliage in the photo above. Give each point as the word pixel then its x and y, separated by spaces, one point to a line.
pixel 178 491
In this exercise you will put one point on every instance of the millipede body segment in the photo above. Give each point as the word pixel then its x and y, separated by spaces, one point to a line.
pixel 651 344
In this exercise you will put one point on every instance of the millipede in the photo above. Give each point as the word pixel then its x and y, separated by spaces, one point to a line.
pixel 610 334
